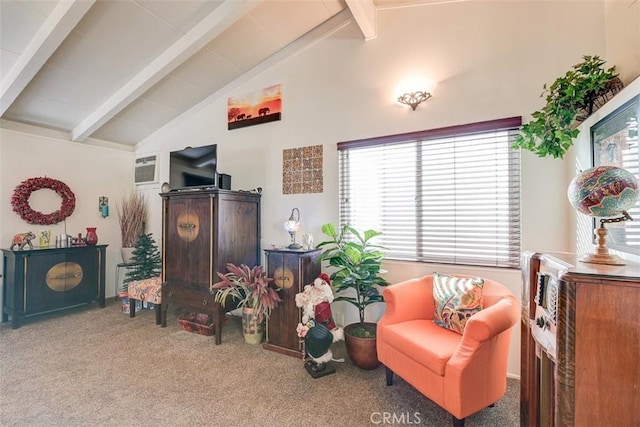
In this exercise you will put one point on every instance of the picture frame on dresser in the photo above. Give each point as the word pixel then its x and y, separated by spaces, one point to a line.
pixel 615 142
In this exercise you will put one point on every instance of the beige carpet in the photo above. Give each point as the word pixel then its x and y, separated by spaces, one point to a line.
pixel 96 367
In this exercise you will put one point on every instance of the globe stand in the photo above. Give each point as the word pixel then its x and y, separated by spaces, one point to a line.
pixel 602 255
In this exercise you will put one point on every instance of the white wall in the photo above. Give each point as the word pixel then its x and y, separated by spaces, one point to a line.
pixel 622 34
pixel 89 170
pixel 489 60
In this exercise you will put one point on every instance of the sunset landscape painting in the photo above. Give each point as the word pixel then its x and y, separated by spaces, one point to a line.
pixel 255 108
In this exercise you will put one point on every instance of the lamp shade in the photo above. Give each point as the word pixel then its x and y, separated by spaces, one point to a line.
pixel 292 226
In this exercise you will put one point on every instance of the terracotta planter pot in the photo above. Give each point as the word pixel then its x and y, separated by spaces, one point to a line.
pixel 361 351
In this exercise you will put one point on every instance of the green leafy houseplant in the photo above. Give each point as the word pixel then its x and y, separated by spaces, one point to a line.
pixel 359 263
pixel 569 99
pixel 246 287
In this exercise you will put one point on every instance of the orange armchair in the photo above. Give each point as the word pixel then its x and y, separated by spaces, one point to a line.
pixel 461 373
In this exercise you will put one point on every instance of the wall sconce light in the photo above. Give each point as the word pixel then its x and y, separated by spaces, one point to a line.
pixel 103 206
pixel 292 226
pixel 413 99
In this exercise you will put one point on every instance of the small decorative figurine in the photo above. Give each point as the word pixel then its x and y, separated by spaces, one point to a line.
pixel 22 240
pixel 45 238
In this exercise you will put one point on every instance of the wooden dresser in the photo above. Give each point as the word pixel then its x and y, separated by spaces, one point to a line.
pixel 203 231
pixel 580 360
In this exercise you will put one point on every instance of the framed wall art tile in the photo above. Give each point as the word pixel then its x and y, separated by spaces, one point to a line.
pixel 302 170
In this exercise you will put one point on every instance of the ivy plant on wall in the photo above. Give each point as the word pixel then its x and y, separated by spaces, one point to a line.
pixel 569 100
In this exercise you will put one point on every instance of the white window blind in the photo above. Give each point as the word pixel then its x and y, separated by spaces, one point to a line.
pixel 449 195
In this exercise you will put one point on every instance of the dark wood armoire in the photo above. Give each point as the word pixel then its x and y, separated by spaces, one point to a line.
pixel 203 231
pixel 580 360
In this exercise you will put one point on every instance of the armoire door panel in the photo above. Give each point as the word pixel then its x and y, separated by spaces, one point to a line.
pixel 238 234
pixel 82 275
pixel 45 279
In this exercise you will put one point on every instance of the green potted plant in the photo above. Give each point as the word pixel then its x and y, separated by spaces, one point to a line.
pixel 247 288
pixel 570 99
pixel 133 216
pixel 358 262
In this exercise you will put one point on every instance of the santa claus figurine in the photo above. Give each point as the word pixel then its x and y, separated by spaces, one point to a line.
pixel 318 329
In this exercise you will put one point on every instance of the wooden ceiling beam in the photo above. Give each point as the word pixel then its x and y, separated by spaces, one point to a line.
pixel 62 20
pixel 301 44
pixel 364 12
pixel 187 45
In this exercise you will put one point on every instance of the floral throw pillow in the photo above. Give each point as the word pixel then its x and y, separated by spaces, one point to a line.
pixel 456 299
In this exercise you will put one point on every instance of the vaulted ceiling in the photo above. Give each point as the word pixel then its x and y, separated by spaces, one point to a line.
pixel 118 70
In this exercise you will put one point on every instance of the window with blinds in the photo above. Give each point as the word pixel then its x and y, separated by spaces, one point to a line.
pixel 449 195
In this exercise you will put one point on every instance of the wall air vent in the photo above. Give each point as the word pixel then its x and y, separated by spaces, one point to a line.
pixel 146 170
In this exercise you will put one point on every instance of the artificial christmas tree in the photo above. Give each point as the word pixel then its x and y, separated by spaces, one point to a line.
pixel 147 260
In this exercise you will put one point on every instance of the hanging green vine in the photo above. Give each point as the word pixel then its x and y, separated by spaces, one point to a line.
pixel 570 99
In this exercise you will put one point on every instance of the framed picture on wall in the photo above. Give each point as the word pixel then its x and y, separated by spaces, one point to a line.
pixel 255 108
pixel 614 142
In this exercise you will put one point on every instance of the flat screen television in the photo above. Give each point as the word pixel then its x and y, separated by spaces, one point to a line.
pixel 193 168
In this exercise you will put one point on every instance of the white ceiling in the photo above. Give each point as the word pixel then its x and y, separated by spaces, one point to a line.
pixel 118 70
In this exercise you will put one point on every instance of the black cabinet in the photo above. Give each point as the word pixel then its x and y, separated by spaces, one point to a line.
pixel 38 281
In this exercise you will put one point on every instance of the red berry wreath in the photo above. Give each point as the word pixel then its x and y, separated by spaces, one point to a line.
pixel 20 201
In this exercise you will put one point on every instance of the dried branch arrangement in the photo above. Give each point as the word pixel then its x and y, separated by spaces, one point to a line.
pixel 133 215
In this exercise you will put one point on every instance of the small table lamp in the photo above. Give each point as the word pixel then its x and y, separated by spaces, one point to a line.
pixel 292 226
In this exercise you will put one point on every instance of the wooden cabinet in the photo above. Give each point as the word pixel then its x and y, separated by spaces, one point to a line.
pixel 580 361
pixel 202 232
pixel 38 281
pixel 291 271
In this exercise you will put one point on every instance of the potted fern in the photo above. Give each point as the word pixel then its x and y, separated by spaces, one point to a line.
pixel 358 261
pixel 248 288
pixel 570 99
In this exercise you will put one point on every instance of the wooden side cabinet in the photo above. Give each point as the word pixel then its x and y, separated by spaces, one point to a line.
pixel 39 281
pixel 291 271
pixel 580 358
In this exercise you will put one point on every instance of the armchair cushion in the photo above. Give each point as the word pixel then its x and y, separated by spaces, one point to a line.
pixel 456 299
pixel 424 342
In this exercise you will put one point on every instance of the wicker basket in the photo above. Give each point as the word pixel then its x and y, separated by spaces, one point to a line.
pixel 597 100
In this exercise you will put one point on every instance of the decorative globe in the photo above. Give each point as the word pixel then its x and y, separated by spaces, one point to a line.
pixel 603 191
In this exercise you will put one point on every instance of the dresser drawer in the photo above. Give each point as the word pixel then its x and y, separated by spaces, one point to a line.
pixel 199 300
